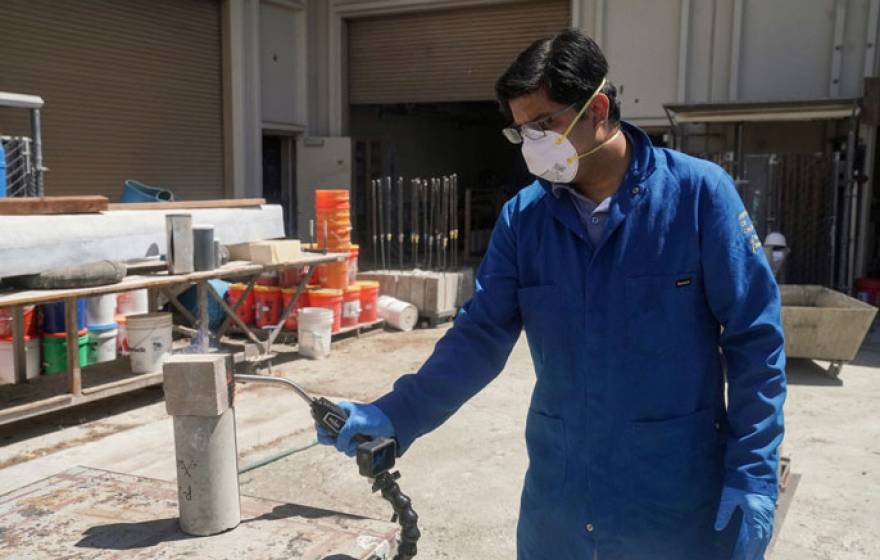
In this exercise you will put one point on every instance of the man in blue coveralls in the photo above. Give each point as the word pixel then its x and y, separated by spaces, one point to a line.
pixel 629 267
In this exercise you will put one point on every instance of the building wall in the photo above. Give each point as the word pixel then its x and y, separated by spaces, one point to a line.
pixel 696 51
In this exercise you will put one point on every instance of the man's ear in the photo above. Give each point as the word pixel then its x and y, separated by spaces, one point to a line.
pixel 599 109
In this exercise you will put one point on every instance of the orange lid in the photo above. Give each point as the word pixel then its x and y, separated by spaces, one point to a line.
pixel 367 284
pixel 354 288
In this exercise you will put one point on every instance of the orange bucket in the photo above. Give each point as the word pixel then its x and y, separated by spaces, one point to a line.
pixel 351 306
pixel 369 295
pixel 245 311
pixel 326 198
pixel 333 275
pixel 267 305
pixel 354 250
pixel 328 299
pixel 303 301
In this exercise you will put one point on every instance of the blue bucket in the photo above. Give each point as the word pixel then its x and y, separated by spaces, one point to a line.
pixel 53 316
pixel 2 172
pixel 135 191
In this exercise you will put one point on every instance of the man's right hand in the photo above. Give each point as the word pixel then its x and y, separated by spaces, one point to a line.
pixel 363 419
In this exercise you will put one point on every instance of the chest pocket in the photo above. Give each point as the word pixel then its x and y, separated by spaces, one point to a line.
pixel 661 315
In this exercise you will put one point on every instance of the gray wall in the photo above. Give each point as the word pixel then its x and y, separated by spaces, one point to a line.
pixel 731 50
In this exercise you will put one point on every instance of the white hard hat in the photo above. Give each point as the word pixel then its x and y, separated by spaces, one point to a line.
pixel 775 239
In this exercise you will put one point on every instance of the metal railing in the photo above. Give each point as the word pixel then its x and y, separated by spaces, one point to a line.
pixel 24 155
pixel 21 177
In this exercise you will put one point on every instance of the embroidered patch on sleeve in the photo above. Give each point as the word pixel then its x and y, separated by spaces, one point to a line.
pixel 748 229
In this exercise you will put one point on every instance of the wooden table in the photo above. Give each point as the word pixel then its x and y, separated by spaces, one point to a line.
pixel 49 393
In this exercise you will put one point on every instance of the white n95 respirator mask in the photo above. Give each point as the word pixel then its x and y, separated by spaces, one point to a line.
pixel 552 156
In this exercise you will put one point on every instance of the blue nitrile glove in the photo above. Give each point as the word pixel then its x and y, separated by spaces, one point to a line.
pixel 365 419
pixel 757 522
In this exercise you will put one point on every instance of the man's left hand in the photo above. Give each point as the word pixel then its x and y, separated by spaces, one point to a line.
pixel 757 521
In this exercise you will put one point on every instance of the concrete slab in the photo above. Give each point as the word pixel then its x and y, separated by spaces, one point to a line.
pixel 33 244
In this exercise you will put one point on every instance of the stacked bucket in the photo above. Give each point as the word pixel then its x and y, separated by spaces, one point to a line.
pixel 353 302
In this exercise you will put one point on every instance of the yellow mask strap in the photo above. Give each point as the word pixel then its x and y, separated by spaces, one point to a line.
pixel 580 113
pixel 597 148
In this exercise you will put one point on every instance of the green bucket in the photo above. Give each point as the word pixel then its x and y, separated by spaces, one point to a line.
pixel 55 353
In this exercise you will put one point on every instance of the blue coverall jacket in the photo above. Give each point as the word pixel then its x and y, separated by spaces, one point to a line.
pixel 628 435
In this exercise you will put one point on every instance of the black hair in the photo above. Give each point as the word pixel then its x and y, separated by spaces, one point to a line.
pixel 569 66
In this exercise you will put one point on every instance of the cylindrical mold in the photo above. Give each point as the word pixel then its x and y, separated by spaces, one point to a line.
pixel 203 248
pixel 207 473
pixel 179 236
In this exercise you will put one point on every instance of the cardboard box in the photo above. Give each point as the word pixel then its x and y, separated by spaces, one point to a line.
pixel 267 252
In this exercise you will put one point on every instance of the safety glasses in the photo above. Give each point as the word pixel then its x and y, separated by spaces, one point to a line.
pixel 534 130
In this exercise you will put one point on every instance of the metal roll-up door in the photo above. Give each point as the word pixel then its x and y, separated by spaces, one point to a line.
pixel 133 90
pixel 444 56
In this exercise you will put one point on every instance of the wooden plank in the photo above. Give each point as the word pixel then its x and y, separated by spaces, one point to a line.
pixel 74 375
pixel 190 204
pixel 53 205
pixel 233 269
pixel 19 358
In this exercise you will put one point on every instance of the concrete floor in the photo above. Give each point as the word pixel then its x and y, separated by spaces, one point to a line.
pixel 465 478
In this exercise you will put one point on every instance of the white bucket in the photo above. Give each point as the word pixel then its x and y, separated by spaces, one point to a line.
pixel 7 360
pixel 399 314
pixel 149 341
pixel 102 343
pixel 100 310
pixel 314 326
pixel 133 303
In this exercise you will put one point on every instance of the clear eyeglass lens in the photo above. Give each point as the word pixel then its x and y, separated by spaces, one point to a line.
pixel 512 135
pixel 532 131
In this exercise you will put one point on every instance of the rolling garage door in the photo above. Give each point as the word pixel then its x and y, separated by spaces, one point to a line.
pixel 133 89
pixel 444 56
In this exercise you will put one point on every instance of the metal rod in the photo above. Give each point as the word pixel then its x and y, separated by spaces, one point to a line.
pixel 438 220
pixel 414 221
pixel 429 195
pixel 455 245
pixel 400 220
pixel 853 209
pixel 373 221
pixel 389 237
pixel 832 233
pixel 37 135
pixel 247 378
pixel 444 221
pixel 423 195
pixel 381 217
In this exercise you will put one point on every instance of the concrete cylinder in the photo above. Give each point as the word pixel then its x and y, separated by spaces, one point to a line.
pixel 207 473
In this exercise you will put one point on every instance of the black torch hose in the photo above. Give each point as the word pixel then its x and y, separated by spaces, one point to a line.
pixel 404 514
